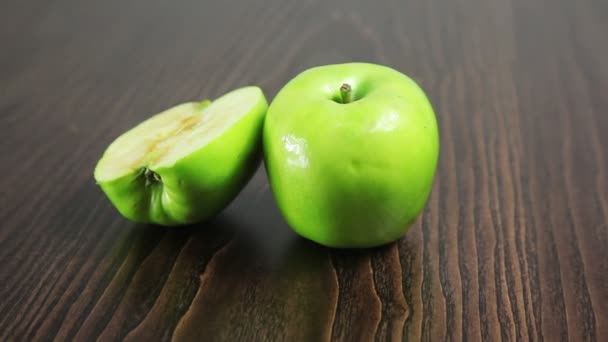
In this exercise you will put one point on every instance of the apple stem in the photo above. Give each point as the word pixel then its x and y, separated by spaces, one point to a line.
pixel 346 93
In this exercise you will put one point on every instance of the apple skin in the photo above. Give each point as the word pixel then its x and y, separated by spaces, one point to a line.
pixel 198 186
pixel 351 175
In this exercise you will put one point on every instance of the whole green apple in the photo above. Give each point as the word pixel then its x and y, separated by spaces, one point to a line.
pixel 351 152
pixel 187 163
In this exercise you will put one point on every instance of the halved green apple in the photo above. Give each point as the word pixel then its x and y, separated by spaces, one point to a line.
pixel 186 164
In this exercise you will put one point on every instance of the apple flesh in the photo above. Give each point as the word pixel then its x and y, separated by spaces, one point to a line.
pixel 186 164
pixel 351 152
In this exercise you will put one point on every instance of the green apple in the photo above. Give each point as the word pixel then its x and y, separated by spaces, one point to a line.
pixel 351 153
pixel 187 163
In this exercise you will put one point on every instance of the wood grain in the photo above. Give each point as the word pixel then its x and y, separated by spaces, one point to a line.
pixel 513 244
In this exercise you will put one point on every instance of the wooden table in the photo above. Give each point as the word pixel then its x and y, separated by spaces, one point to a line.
pixel 513 244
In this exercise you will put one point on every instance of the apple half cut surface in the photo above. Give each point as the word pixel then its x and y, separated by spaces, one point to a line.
pixel 186 164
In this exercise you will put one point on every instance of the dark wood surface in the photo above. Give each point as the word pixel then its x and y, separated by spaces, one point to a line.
pixel 513 244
